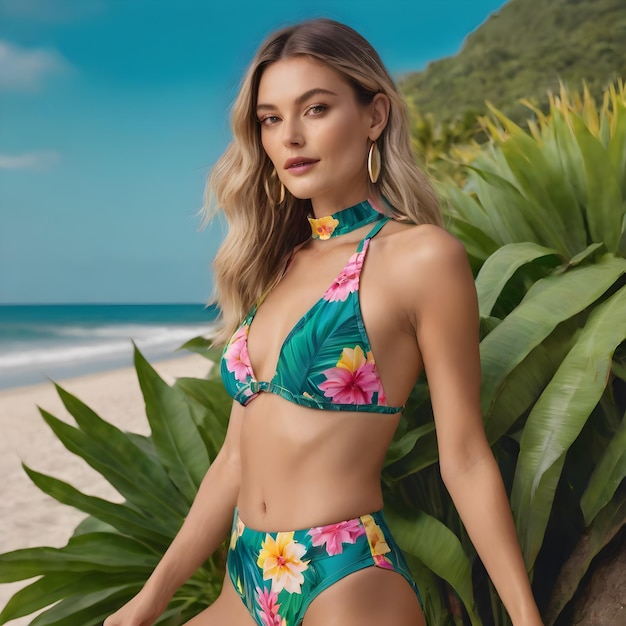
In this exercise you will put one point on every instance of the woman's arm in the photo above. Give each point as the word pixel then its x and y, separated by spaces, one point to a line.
pixel 447 329
pixel 204 529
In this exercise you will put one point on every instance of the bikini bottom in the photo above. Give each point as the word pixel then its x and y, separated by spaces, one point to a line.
pixel 278 574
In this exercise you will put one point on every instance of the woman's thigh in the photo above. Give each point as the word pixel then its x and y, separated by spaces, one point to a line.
pixel 227 609
pixel 369 597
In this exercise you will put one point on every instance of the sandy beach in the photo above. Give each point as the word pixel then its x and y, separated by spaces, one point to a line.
pixel 27 516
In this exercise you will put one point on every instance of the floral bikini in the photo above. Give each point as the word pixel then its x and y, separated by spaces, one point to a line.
pixel 279 574
pixel 325 363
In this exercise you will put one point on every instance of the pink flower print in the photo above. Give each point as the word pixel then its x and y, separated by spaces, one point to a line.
pixel 382 561
pixel 268 607
pixel 335 535
pixel 354 380
pixel 236 355
pixel 348 280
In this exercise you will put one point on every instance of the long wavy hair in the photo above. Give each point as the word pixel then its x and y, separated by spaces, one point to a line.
pixel 261 234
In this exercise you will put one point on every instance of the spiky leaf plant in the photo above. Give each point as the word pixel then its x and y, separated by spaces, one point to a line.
pixel 113 552
pixel 542 214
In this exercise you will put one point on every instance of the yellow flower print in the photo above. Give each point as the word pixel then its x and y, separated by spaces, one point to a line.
pixel 323 227
pixel 281 561
pixel 353 359
pixel 378 544
pixel 237 532
pixel 375 537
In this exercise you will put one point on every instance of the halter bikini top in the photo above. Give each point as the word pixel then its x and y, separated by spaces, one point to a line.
pixel 326 360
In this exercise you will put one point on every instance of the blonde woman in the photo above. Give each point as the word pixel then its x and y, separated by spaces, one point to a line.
pixel 337 285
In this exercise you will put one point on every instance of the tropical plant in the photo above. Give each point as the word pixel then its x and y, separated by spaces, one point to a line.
pixel 543 216
pixel 112 552
pixel 440 146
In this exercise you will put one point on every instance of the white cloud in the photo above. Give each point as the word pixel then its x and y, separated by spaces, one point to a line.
pixel 51 10
pixel 24 70
pixel 38 160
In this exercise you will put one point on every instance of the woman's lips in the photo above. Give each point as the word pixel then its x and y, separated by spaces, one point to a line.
pixel 299 166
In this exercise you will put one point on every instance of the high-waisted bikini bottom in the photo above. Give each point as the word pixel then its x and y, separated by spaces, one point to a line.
pixel 278 574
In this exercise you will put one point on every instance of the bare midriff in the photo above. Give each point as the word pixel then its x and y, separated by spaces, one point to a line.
pixel 304 467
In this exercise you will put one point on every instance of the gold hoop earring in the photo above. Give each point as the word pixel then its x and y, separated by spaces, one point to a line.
pixel 373 162
pixel 266 186
pixel 281 197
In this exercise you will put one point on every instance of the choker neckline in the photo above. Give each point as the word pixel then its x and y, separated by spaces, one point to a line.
pixel 344 221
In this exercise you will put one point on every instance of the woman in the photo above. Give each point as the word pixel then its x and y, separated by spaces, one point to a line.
pixel 337 286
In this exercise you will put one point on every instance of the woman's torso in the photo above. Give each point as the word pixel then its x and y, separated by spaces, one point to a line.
pixel 301 466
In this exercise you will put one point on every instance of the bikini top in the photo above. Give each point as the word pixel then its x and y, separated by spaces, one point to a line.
pixel 326 360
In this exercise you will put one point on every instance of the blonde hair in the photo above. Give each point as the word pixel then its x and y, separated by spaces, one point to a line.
pixel 260 234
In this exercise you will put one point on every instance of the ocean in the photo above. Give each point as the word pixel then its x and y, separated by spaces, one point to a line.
pixel 42 342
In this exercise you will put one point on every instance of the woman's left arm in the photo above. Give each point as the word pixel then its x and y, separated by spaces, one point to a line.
pixel 446 320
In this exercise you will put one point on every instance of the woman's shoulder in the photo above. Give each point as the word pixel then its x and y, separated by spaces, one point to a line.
pixel 422 244
pixel 419 261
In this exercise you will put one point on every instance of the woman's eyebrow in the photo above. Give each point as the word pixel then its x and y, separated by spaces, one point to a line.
pixel 303 98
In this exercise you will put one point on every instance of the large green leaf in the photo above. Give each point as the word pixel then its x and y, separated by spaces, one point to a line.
pixel 435 545
pixel 422 454
pixel 122 454
pixel 605 206
pixel 560 134
pixel 500 266
pixel 543 188
pixel 174 432
pixel 400 448
pixel 210 410
pixel 126 468
pixel 127 520
pixel 562 180
pixel 89 609
pixel 525 382
pixel 104 552
pixel 558 417
pixel 203 347
pixel 606 477
pixel 581 257
pixel 507 209
pixel 616 149
pixel 470 211
pixel 477 244
pixel 50 589
pixel 551 301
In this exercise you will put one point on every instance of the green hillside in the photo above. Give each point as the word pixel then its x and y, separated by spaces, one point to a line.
pixel 522 51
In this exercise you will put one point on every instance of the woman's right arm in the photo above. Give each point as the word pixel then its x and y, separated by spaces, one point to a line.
pixel 204 529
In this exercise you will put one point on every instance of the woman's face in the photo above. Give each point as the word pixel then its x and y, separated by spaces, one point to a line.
pixel 315 132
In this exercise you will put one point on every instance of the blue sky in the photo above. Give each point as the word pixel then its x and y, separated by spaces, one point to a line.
pixel 112 113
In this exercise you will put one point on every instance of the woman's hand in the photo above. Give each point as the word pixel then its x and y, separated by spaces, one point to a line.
pixel 143 610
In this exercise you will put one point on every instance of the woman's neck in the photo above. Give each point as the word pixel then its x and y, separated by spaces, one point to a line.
pixel 327 205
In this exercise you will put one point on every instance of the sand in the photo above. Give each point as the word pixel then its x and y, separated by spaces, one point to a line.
pixel 30 518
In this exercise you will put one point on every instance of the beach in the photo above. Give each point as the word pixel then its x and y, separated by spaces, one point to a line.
pixel 30 518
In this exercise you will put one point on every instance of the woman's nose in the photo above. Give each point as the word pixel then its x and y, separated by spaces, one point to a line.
pixel 292 133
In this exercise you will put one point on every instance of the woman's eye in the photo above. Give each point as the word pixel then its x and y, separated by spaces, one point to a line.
pixel 268 120
pixel 317 109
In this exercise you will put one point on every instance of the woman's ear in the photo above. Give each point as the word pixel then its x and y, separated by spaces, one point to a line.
pixel 379 108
